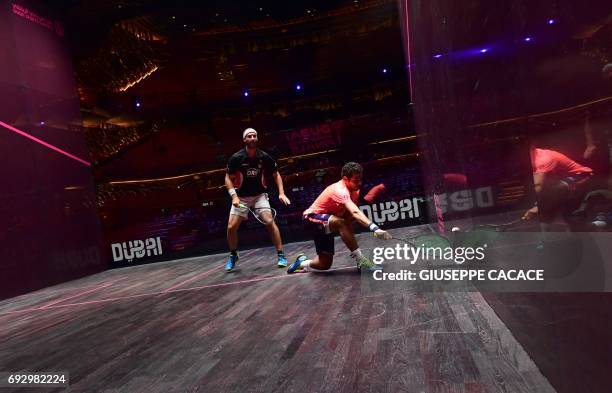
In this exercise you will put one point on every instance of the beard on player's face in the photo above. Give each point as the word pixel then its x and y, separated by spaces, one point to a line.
pixel 251 142
pixel 354 183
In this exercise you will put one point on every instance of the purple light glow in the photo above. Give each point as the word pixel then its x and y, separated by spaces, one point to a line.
pixel 437 56
pixel 551 21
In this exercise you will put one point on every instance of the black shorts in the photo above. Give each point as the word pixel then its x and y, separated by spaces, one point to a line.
pixel 317 224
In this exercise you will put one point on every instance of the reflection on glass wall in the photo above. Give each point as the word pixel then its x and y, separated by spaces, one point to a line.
pixel 515 96
pixel 50 232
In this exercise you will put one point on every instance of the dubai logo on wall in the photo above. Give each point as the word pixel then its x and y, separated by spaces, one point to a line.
pixel 409 208
pixel 135 249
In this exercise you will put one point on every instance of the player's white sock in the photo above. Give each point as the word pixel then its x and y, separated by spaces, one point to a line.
pixel 305 265
pixel 307 268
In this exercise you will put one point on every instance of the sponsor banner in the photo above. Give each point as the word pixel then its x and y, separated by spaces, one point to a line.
pixel 320 137
pixel 33 17
pixel 390 211
pixel 410 211
pixel 136 249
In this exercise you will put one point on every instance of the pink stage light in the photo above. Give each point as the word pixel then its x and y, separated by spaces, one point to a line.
pixel 45 144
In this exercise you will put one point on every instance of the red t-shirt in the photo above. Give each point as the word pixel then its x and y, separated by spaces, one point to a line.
pixel 332 200
pixel 555 163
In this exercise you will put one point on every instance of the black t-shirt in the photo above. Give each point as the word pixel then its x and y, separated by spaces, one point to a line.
pixel 251 173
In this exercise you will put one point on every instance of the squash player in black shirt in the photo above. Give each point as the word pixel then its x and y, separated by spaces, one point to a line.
pixel 245 180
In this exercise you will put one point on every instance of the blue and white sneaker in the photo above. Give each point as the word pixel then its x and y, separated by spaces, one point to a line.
pixel 231 263
pixel 295 266
pixel 282 261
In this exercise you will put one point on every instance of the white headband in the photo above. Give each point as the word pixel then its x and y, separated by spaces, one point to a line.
pixel 247 132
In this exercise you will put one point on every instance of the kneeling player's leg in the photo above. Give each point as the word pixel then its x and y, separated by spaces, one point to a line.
pixel 324 245
pixel 320 263
pixel 344 226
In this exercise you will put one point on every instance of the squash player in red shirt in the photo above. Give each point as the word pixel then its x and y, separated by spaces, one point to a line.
pixel 560 183
pixel 335 210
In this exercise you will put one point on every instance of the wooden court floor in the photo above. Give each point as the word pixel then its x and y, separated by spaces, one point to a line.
pixel 187 326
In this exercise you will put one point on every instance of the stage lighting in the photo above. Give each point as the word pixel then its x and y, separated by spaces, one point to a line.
pixel 245 93
pixel 437 56
pixel 298 87
pixel 527 39
pixel 484 50
pixel 551 21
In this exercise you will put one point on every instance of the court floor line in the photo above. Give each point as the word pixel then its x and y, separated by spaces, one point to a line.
pixel 237 282
pixel 205 273
pixel 214 269
pixel 102 286
pixel 95 287
pixel 49 291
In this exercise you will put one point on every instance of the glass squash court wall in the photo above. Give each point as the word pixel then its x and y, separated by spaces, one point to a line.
pixel 49 227
pixel 489 79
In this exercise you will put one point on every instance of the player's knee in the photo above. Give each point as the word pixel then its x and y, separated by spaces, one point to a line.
pixel 268 220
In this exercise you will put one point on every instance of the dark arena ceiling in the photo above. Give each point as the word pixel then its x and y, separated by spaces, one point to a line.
pixel 172 53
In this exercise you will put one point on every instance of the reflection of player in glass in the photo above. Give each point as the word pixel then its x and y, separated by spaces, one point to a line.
pixel 596 154
pixel 335 211
pixel 245 180
pixel 560 183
